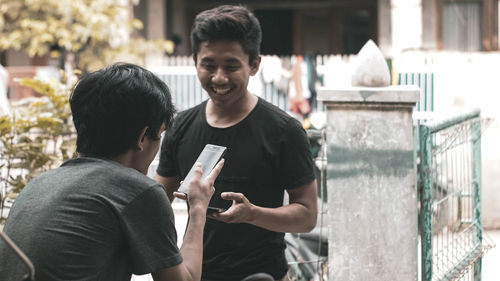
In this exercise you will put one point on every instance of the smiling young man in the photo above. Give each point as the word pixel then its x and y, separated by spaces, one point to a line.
pixel 98 216
pixel 268 153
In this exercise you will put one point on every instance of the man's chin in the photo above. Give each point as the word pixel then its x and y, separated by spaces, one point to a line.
pixel 219 96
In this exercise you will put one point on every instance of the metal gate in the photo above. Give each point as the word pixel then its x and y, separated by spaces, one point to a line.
pixel 449 179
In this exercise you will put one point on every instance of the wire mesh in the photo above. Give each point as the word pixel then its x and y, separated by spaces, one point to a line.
pixel 450 177
pixel 305 253
pixel 459 255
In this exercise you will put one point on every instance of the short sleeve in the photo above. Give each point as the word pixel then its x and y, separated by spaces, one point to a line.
pixel 150 232
pixel 166 165
pixel 295 157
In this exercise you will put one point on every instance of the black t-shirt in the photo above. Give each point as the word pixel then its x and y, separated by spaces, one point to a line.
pixel 91 219
pixel 267 152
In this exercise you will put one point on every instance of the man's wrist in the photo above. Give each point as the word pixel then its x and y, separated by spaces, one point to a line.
pixel 253 214
pixel 197 212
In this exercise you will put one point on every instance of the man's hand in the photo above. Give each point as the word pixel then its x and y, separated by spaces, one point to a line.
pixel 298 216
pixel 200 191
pixel 239 212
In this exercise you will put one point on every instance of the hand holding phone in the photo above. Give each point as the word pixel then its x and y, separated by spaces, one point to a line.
pixel 208 158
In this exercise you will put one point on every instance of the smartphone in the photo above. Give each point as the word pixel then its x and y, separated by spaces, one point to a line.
pixel 208 158
pixel 211 210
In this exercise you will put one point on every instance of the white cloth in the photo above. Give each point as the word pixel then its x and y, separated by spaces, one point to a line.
pixel 4 80
pixel 271 69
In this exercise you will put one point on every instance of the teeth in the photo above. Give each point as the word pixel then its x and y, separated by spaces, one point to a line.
pixel 220 91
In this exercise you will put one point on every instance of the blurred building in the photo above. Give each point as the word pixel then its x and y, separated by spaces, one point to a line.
pixel 318 27
pixel 330 26
pixel 341 26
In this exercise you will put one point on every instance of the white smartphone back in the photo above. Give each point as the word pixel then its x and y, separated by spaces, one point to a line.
pixel 208 158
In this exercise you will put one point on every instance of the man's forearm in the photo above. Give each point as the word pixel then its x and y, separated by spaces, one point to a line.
pixel 290 218
pixel 299 216
pixel 192 244
pixel 171 184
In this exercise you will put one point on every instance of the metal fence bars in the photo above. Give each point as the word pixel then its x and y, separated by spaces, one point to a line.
pixel 449 176
pixel 180 75
pixel 425 81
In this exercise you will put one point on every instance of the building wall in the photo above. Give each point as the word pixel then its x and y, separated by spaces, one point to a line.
pixel 316 26
pixel 385 27
pixel 406 25
pixel 429 25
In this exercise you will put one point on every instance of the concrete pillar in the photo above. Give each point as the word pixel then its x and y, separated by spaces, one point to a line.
pixel 180 26
pixel 385 27
pixel 429 25
pixel 372 201
pixel 156 12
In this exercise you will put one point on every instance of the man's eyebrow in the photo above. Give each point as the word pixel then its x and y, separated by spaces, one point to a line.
pixel 207 60
pixel 233 60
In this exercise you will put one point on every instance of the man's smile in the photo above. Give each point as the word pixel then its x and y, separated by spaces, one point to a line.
pixel 220 90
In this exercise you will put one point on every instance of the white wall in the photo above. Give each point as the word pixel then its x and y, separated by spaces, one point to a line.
pixel 406 25
pixel 464 81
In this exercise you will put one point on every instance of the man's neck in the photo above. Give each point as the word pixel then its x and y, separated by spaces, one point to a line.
pixel 223 115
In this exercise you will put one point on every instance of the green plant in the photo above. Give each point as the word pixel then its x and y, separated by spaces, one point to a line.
pixel 37 135
pixel 87 34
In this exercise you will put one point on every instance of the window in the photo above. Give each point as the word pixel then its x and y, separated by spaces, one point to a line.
pixel 462 26
pixel 467 25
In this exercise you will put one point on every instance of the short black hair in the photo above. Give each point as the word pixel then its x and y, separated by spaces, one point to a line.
pixel 112 105
pixel 227 22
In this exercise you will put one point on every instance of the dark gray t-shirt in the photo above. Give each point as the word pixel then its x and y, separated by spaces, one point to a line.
pixel 91 219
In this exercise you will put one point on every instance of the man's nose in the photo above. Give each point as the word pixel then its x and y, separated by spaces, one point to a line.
pixel 219 76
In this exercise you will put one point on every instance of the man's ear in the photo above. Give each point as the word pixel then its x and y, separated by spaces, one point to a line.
pixel 254 66
pixel 140 138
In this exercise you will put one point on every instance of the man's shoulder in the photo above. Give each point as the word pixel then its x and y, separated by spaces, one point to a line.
pixel 185 120
pixel 272 110
pixel 107 171
pixel 190 112
pixel 276 115
pixel 107 179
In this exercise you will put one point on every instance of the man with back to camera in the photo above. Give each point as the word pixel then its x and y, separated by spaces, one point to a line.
pixel 268 153
pixel 99 217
